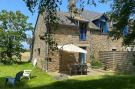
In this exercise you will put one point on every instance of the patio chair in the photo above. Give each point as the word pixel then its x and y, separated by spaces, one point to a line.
pixel 73 69
pixel 12 80
pixel 83 69
pixel 70 69
pixel 27 74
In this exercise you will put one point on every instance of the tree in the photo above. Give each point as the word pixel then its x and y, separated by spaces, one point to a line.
pixel 123 14
pixel 49 8
pixel 12 32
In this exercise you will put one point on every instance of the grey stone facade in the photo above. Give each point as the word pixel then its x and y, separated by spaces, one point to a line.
pixel 69 34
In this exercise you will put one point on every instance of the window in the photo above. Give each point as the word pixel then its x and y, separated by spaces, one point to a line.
pixel 49 59
pixel 83 32
pixel 82 56
pixel 114 48
pixel 102 25
pixel 39 51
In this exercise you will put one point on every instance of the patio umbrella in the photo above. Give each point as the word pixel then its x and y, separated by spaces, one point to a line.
pixel 71 48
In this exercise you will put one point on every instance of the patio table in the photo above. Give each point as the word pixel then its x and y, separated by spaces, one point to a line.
pixel 78 68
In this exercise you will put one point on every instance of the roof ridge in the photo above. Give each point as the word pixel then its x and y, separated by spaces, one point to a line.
pixel 92 11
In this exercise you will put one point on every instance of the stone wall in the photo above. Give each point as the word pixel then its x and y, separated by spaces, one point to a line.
pixel 67 59
pixel 63 35
pixel 39 45
pixel 101 42
pixel 54 62
pixel 70 35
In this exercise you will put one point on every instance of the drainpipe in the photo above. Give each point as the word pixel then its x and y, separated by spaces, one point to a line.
pixel 46 58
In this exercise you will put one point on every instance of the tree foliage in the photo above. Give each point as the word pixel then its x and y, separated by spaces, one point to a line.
pixel 12 32
pixel 123 14
pixel 49 8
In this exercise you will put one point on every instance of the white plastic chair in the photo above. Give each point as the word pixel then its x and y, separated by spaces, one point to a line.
pixel 27 73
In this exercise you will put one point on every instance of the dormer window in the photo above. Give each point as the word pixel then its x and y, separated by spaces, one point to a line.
pixel 102 26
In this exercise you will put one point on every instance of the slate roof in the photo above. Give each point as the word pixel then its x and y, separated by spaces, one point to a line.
pixel 63 19
pixel 88 16
pixel 93 26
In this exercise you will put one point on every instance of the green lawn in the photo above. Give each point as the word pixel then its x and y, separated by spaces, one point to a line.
pixel 40 80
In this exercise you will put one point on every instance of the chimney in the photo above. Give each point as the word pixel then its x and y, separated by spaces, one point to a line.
pixel 72 7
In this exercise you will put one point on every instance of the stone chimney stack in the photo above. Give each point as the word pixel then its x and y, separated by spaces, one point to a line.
pixel 72 7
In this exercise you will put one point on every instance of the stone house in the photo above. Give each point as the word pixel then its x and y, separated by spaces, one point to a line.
pixel 88 30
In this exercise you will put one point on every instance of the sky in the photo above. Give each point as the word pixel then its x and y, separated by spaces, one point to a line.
pixel 14 5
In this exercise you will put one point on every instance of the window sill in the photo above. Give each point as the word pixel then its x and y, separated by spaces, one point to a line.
pixel 104 33
pixel 83 40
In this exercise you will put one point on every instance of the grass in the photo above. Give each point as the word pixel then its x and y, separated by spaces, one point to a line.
pixel 41 80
